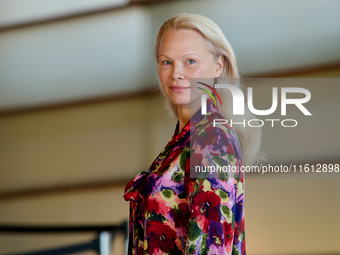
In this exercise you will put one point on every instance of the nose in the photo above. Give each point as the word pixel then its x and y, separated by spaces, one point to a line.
pixel 177 72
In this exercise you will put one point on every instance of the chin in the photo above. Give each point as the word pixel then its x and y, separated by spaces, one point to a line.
pixel 180 103
pixel 179 100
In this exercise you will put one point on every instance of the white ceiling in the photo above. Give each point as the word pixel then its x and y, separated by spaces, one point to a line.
pixel 113 52
pixel 18 11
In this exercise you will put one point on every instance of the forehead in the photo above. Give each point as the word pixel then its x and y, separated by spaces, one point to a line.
pixel 182 40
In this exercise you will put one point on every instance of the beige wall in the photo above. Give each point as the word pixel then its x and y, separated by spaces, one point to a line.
pixel 80 144
pixel 97 143
pixel 113 141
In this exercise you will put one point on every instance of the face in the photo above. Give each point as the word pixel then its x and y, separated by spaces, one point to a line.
pixel 183 54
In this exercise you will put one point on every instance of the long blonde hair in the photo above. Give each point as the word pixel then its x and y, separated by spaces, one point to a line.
pixel 218 45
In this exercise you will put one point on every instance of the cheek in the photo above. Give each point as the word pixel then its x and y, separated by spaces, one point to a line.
pixel 162 75
pixel 161 78
pixel 203 72
pixel 209 71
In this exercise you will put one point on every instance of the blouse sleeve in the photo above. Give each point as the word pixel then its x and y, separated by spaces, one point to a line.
pixel 216 208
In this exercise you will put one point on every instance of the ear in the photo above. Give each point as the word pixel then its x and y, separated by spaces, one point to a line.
pixel 219 65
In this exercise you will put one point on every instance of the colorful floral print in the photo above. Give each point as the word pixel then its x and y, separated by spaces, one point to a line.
pixel 173 211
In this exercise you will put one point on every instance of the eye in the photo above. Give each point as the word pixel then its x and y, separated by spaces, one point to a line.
pixel 166 62
pixel 191 61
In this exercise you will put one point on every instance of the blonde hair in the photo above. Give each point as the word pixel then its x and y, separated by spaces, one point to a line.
pixel 218 45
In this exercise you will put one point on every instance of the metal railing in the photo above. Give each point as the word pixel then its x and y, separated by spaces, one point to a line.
pixel 101 244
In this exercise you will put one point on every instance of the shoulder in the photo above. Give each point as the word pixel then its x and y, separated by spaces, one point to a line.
pixel 215 133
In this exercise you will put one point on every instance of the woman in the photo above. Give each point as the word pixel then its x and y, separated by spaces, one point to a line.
pixel 172 212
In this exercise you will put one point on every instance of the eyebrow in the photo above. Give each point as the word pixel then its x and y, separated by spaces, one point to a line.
pixel 163 56
pixel 183 56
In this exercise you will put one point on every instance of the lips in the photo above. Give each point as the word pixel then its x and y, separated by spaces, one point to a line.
pixel 179 88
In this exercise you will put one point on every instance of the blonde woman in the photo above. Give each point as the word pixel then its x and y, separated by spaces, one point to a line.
pixel 172 211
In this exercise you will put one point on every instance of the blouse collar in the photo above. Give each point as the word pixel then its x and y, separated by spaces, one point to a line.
pixel 211 110
pixel 132 188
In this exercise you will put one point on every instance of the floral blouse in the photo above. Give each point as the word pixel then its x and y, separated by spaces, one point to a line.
pixel 173 211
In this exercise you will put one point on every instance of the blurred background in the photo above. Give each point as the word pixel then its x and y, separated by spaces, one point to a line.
pixel 79 116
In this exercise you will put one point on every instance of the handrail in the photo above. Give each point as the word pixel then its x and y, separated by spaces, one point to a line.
pixel 59 228
pixel 101 244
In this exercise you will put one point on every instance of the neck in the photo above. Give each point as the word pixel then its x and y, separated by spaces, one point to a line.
pixel 183 113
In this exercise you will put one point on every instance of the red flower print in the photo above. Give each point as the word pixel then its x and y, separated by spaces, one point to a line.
pixel 181 215
pixel 205 207
pixel 209 137
pixel 152 205
pixel 196 159
pixel 230 149
pixel 228 233
pixel 160 237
